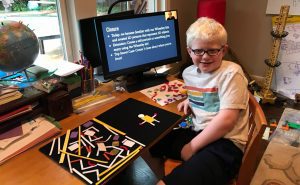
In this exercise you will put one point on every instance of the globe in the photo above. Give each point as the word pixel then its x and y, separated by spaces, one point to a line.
pixel 18 46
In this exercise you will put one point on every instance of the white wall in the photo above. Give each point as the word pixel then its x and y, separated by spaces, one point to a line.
pixel 187 14
pixel 249 33
pixel 248 30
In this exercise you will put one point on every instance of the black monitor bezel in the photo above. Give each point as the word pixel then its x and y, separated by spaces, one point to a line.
pixel 88 36
pixel 141 68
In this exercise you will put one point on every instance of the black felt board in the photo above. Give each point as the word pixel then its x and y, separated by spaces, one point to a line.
pixel 102 135
pixel 124 116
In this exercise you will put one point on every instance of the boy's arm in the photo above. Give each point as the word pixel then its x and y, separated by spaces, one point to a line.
pixel 220 125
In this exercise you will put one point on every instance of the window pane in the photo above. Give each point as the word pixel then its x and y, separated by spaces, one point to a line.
pixel 103 6
pixel 42 18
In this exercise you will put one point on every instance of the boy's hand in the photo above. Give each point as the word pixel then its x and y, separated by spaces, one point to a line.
pixel 184 106
pixel 186 152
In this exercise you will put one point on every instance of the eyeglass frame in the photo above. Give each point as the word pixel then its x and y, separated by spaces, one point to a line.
pixel 207 51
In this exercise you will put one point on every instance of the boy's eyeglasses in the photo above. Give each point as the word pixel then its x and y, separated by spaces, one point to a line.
pixel 210 52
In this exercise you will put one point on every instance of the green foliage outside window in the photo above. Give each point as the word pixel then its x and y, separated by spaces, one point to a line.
pixel 102 8
pixel 19 5
pixel 1 7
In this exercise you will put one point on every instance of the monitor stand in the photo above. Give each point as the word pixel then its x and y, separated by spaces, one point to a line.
pixel 143 80
pixel 98 72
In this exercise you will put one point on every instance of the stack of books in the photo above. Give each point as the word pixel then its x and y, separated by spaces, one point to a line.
pixel 17 112
pixel 73 85
pixel 9 93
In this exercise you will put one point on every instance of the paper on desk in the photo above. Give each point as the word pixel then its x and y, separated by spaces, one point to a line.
pixel 165 93
pixel 61 68
pixel 34 132
pixel 26 129
pixel 11 133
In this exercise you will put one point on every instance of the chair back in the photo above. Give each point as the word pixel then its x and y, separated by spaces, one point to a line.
pixel 257 125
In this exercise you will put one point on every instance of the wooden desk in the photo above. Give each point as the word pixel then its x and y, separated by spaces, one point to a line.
pixel 34 168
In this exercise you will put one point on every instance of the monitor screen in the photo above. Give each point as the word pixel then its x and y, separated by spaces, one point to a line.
pixel 137 43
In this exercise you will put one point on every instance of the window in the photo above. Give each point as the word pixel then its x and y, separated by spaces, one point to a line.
pixel 42 18
pixel 138 6
pixel 103 6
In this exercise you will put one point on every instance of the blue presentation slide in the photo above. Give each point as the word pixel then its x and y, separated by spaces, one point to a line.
pixel 133 42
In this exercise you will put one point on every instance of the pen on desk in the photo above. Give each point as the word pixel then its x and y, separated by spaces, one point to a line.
pixel 86 73
pixel 91 72
pixel 81 74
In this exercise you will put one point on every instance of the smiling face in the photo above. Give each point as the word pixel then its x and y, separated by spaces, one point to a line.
pixel 207 63
pixel 206 44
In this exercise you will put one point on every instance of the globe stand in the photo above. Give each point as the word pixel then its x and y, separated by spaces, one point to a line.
pixel 26 74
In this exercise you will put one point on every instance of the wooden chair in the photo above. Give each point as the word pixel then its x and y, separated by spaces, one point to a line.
pixel 257 125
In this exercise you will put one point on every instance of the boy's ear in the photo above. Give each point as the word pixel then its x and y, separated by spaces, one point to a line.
pixel 189 50
pixel 225 49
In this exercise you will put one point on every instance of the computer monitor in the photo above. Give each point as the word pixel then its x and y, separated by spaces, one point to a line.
pixel 130 45
pixel 88 37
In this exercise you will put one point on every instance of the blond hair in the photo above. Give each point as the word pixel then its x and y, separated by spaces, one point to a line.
pixel 206 29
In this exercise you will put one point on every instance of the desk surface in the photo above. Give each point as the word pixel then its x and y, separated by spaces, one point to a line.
pixel 33 167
